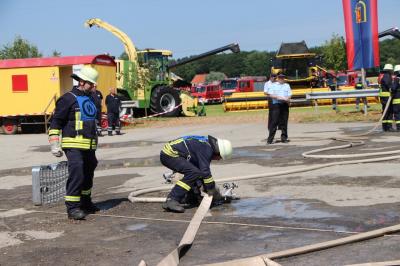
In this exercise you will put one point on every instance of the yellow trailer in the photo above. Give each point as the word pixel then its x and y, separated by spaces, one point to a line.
pixel 29 87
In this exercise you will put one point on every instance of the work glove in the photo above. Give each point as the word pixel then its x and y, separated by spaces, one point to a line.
pixel 55 146
pixel 215 193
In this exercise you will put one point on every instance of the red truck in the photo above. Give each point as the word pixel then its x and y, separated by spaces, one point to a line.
pixel 208 93
pixel 243 84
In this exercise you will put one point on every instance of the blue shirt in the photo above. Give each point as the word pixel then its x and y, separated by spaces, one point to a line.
pixel 268 85
pixel 278 89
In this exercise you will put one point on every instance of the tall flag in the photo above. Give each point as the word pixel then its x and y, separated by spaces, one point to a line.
pixel 361 23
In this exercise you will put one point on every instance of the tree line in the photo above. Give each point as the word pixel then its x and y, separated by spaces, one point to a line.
pixel 258 63
pixel 245 63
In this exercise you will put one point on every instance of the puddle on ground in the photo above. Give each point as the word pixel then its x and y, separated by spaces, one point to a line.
pixel 136 227
pixel 256 235
pixel 250 153
pixel 276 207
pixel 124 144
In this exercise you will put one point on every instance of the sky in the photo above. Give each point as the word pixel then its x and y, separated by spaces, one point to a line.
pixel 185 27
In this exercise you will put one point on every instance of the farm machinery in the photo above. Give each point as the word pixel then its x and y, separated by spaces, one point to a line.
pixel 146 81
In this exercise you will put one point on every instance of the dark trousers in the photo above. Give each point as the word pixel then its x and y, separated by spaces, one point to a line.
pixel 396 115
pixel 81 166
pixel 191 176
pixel 278 116
pixel 387 121
pixel 113 122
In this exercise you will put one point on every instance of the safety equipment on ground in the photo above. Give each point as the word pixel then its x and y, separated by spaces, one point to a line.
pixel 76 214
pixel 55 145
pixel 48 183
pixel 87 73
pixel 173 206
pixel 225 148
pixel 397 68
pixel 388 67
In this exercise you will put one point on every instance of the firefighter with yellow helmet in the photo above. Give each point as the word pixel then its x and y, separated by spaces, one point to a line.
pixel 74 119
pixel 192 156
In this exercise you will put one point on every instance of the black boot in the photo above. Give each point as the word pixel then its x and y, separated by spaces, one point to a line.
pixel 172 206
pixel 110 133
pixel 76 214
pixel 89 207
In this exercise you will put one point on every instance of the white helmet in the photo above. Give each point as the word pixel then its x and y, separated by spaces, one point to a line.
pixel 225 148
pixel 397 68
pixel 87 73
pixel 388 67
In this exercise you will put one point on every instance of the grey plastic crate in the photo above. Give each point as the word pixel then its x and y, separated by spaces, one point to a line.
pixel 48 183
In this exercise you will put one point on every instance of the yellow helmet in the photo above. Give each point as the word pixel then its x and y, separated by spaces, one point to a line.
pixel 87 73
pixel 388 67
pixel 225 148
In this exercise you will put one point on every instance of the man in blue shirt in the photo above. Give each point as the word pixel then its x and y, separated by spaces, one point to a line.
pixel 279 93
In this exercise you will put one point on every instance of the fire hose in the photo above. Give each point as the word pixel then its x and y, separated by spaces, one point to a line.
pixel 150 116
pixel 266 259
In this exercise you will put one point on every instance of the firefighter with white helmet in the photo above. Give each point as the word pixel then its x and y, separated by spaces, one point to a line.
pixel 384 94
pixel 396 96
pixel 74 119
pixel 192 156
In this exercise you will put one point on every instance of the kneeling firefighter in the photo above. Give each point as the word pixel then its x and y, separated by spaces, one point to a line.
pixel 192 156
pixel 75 119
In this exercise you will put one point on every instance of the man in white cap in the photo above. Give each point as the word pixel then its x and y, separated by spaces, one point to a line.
pixel 192 156
pixel 75 119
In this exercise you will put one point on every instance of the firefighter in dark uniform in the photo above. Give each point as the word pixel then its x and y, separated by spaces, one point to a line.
pixel 396 96
pixel 75 119
pixel 98 99
pixel 113 104
pixel 385 88
pixel 191 156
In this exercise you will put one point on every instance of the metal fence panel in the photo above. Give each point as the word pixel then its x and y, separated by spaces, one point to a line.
pixel 48 183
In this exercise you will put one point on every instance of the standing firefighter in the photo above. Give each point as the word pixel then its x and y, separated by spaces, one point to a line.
pixel 396 96
pixel 386 85
pixel 113 103
pixel 280 94
pixel 191 156
pixel 75 118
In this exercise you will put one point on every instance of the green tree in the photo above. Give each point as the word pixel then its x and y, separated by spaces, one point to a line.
pixel 390 52
pixel 20 48
pixel 215 76
pixel 334 53
pixel 56 53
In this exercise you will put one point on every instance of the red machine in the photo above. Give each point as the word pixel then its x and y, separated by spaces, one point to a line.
pixel 209 93
pixel 244 84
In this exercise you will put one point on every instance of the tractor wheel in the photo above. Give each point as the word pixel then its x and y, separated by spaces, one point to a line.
pixel 165 99
pixel 10 126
